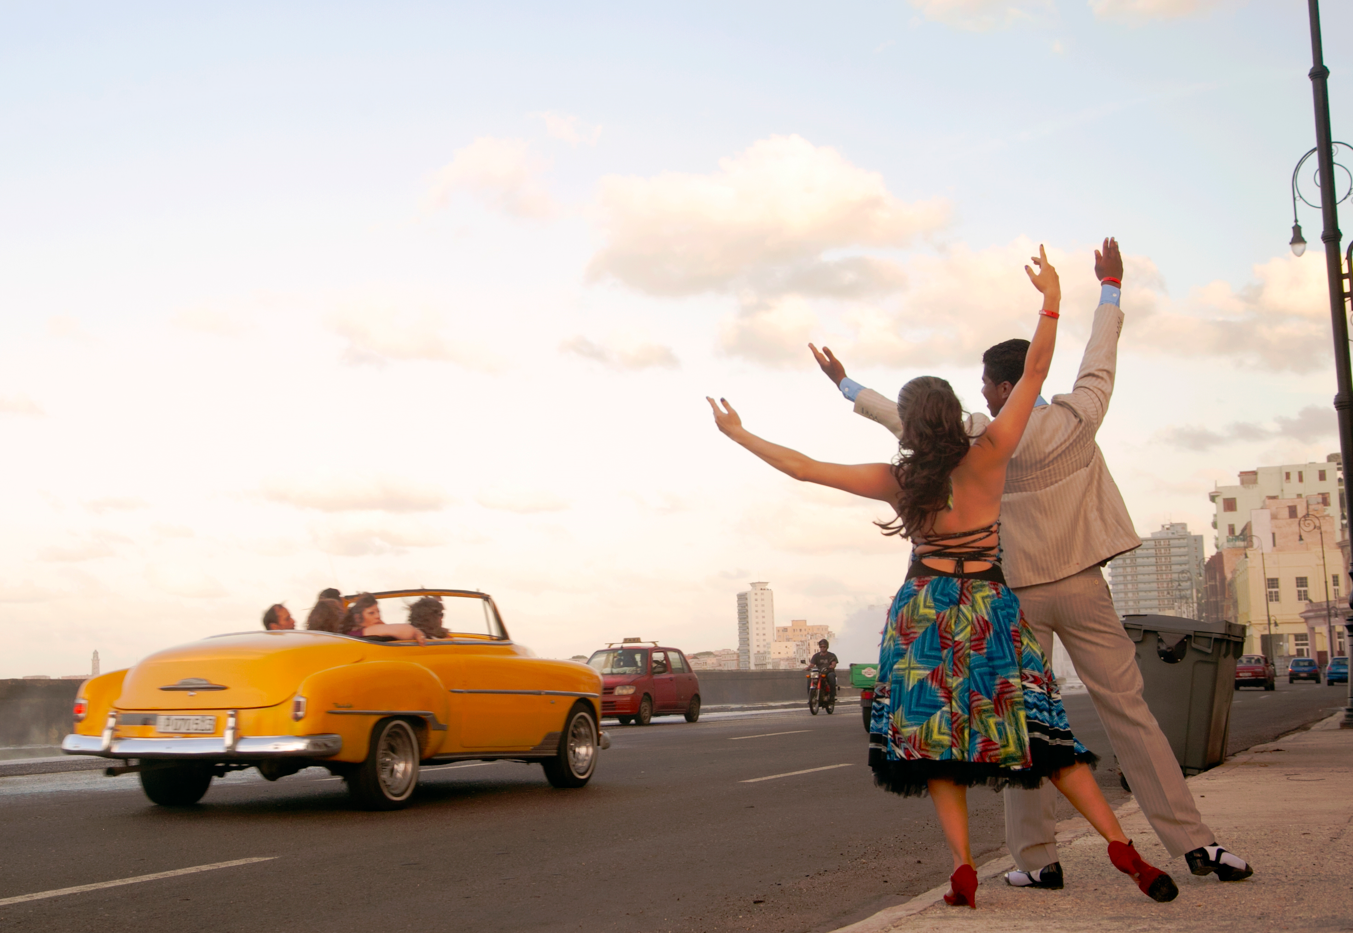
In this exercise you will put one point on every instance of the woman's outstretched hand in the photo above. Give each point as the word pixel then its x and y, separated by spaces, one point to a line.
pixel 1045 279
pixel 728 421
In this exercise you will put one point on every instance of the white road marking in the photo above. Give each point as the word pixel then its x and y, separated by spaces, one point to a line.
pixel 79 889
pixel 792 773
pixel 473 764
pixel 764 735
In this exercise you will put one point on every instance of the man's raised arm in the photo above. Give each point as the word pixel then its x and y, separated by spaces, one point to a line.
pixel 1094 382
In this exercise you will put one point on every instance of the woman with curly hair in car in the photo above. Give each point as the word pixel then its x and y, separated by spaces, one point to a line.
pixel 326 616
pixel 364 621
pixel 965 694
pixel 426 615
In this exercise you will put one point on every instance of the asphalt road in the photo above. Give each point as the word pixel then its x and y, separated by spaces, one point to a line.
pixel 675 832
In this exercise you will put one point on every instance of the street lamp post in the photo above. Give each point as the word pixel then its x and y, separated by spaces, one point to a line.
pixel 1182 579
pixel 1309 522
pixel 1267 613
pixel 1334 273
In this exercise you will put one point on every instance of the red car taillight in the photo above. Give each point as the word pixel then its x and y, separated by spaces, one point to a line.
pixel 866 694
pixel 81 708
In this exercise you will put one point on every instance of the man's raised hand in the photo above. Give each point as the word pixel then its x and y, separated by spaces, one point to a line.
pixel 1045 279
pixel 829 363
pixel 1109 263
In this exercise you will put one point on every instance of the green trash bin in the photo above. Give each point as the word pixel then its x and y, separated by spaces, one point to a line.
pixel 1188 674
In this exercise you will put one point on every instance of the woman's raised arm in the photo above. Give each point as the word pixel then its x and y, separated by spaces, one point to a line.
pixel 1007 428
pixel 870 480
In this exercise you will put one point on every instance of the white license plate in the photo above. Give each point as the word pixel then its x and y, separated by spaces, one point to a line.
pixel 205 724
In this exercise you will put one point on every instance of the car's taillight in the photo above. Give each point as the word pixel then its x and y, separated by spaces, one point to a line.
pixel 81 708
pixel 298 708
pixel 867 694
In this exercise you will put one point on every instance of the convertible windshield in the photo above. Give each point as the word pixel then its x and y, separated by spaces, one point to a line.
pixel 620 661
pixel 460 615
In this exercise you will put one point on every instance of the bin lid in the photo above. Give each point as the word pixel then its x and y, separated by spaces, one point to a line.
pixel 1184 626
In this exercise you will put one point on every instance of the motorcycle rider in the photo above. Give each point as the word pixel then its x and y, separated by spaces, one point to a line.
pixel 825 661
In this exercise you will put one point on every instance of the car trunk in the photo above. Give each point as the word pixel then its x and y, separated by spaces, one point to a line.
pixel 233 671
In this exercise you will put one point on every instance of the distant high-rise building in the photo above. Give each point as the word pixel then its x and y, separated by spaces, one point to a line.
pixel 756 627
pixel 1323 481
pixel 1162 577
pixel 796 642
pixel 94 665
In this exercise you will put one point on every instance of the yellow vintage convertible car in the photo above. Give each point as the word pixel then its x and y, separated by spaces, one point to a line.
pixel 368 710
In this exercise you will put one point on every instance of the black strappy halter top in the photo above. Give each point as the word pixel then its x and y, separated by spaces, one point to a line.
pixel 959 547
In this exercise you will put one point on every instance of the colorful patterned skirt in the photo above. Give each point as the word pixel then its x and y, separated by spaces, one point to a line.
pixel 964 690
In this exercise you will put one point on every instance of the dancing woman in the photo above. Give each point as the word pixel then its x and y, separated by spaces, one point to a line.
pixel 965 695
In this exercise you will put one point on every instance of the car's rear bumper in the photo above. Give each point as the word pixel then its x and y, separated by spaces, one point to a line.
pixel 214 748
pixel 1251 679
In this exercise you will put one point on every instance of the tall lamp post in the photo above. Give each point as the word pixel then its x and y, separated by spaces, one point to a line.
pixel 1334 274
pixel 1185 579
pixel 1267 613
pixel 1309 522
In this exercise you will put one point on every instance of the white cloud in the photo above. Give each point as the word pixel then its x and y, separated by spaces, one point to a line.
pixel 522 499
pixel 625 358
pixel 92 549
pixel 116 504
pixel 213 321
pixel 19 405
pixel 359 535
pixel 774 334
pixel 960 301
pixel 763 220
pixel 1140 11
pixel 184 579
pixel 378 334
pixel 570 129
pixel 1310 424
pixel 503 173
pixel 25 592
pixel 355 494
pixel 983 15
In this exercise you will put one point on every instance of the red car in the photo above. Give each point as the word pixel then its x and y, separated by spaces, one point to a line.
pixel 1255 670
pixel 643 680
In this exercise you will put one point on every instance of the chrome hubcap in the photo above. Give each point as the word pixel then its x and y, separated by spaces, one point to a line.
pixel 582 746
pixel 397 761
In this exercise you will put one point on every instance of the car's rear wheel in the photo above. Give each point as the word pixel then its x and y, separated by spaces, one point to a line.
pixel 176 785
pixel 573 765
pixel 387 778
pixel 693 710
pixel 645 711
pixel 625 720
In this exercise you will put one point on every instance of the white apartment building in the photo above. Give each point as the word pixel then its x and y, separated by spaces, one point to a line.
pixel 1325 481
pixel 1162 577
pixel 756 627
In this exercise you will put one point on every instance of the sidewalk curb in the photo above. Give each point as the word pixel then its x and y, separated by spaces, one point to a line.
pixel 1069 831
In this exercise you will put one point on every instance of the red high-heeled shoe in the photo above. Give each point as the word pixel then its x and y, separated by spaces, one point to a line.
pixel 1154 883
pixel 962 887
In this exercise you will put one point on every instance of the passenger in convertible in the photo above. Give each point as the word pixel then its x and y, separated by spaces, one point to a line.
pixel 365 622
pixel 426 615
pixel 327 616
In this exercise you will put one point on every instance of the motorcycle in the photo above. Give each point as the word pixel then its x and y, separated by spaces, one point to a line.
pixel 820 692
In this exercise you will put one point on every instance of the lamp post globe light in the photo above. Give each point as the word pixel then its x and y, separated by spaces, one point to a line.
pixel 1186 592
pixel 1268 614
pixel 1334 273
pixel 1343 180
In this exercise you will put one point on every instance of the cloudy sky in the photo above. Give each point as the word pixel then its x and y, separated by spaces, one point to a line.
pixel 431 294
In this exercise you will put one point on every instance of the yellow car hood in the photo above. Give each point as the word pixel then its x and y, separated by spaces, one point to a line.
pixel 252 669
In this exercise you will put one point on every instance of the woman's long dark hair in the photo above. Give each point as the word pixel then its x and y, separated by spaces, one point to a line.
pixel 932 444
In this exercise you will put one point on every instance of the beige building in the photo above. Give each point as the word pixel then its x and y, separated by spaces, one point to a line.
pixel 756 627
pixel 1233 504
pixel 1276 583
pixel 796 642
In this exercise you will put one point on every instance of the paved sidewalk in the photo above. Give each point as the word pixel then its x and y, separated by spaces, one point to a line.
pixel 1286 807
